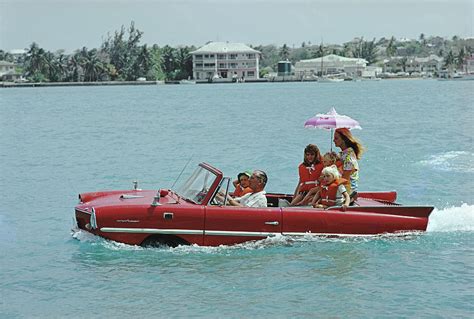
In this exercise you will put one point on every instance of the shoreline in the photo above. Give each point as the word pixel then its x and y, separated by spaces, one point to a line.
pixel 115 83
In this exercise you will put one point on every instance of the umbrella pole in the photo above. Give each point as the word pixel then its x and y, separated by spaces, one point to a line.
pixel 331 140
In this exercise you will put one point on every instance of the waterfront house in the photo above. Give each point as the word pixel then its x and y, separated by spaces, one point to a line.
pixel 420 65
pixel 225 62
pixel 330 64
pixel 6 67
pixel 468 66
pixel 7 71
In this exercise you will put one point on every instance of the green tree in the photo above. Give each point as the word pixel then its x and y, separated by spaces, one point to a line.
pixel 319 52
pixel 423 39
pixel 142 64
pixel 123 52
pixel 284 52
pixel 61 66
pixel 449 60
pixel 269 57
pixel 391 49
pixel 460 58
pixel 74 69
pixel 169 62
pixel 51 68
pixel 184 63
pixel 155 72
pixel 91 64
pixel 346 50
pixel 5 56
pixel 403 62
pixel 35 63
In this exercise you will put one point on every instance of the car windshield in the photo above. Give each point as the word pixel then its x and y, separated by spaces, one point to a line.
pixel 197 186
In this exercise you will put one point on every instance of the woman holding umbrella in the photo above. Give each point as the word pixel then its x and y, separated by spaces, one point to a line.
pixel 352 150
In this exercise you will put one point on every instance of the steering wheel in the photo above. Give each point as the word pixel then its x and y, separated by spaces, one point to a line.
pixel 216 201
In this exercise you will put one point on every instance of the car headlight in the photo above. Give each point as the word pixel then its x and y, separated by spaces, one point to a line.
pixel 93 219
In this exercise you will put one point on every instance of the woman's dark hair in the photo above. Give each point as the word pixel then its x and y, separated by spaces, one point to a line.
pixel 312 149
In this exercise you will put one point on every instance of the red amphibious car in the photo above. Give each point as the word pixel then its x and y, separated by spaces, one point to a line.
pixel 191 215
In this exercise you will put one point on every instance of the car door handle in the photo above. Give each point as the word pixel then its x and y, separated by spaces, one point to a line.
pixel 167 215
pixel 275 223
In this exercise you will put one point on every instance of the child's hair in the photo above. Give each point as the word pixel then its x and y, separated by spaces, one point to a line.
pixel 331 170
pixel 332 156
pixel 312 149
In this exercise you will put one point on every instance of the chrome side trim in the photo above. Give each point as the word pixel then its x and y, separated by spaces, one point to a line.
pixel 329 234
pixel 222 232
pixel 240 233
pixel 186 232
pixel 152 231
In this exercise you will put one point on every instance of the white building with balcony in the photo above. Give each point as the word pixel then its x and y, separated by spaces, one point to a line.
pixel 330 64
pixel 225 61
pixel 425 65
pixel 468 66
pixel 6 68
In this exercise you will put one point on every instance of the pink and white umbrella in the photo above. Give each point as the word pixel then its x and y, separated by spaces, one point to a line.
pixel 331 121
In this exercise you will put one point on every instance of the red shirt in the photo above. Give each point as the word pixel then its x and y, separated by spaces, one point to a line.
pixel 239 191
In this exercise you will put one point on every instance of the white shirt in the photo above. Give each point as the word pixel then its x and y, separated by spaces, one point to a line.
pixel 253 199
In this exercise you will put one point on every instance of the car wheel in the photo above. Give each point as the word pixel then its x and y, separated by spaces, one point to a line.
pixel 163 241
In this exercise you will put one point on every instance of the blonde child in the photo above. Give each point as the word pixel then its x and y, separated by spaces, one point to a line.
pixel 332 191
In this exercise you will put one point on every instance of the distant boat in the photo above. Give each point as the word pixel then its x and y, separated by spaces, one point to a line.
pixel 329 79
pixel 463 77
pixel 187 82
pixel 457 76
pixel 369 79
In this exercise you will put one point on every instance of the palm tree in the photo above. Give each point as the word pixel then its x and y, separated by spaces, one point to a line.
pixel 369 51
pixel 346 50
pixel 450 59
pixel 62 61
pixel 169 61
pixel 460 58
pixel 320 51
pixel 284 52
pixel 403 62
pixel 142 63
pixel 391 49
pixel 184 62
pixel 423 39
pixel 35 61
pixel 93 67
pixel 50 68
pixel 74 68
pixel 156 73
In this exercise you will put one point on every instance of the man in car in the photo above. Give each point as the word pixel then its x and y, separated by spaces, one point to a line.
pixel 256 198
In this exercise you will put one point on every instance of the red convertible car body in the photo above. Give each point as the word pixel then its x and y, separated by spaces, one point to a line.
pixel 191 215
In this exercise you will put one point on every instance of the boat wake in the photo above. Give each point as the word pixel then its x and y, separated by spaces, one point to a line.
pixel 452 219
pixel 454 161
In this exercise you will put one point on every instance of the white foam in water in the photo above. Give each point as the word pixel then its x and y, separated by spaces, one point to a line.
pixel 84 236
pixel 452 219
pixel 454 161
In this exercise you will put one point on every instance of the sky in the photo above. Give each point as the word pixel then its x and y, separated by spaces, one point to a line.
pixel 73 24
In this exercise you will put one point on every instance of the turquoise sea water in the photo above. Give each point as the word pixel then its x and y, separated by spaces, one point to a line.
pixel 58 142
